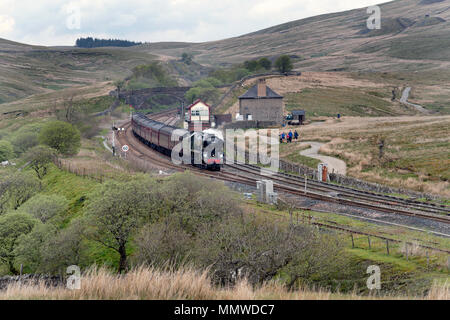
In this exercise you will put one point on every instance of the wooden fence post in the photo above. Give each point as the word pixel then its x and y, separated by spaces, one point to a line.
pixel 428 260
pixel 353 242
pixel 387 246
pixel 406 248
pixel 368 239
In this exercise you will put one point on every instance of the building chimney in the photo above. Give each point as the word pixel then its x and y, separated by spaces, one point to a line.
pixel 262 88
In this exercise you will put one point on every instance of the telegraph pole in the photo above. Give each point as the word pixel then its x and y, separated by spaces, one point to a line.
pixel 113 140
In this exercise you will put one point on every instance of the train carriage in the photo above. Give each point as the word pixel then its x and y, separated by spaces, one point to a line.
pixel 164 138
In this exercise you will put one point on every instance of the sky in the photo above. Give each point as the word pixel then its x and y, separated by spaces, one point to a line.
pixel 61 22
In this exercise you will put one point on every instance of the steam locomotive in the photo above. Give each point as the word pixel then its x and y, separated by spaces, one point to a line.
pixel 201 149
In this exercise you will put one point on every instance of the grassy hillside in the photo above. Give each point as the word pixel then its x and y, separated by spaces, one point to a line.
pixel 411 30
pixel 416 149
pixel 26 70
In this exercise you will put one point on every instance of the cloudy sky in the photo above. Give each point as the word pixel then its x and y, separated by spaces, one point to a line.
pixel 60 22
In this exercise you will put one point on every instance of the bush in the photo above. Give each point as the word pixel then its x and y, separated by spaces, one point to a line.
pixel 205 90
pixel 151 75
pixel 30 247
pixel 12 226
pixel 265 63
pixel 187 58
pixel 40 158
pixel 45 207
pixel 207 94
pixel 260 250
pixel 252 65
pixel 260 64
pixel 15 189
pixel 61 136
pixel 116 210
pixel 6 150
pixel 186 203
pixel 284 64
pixel 163 243
pixel 230 75
pixel 25 138
pixel 65 248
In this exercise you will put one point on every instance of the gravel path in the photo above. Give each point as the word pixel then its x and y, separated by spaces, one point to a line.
pixel 335 164
pixel 404 100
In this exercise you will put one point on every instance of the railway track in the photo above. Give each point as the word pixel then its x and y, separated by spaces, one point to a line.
pixel 249 174
pixel 319 191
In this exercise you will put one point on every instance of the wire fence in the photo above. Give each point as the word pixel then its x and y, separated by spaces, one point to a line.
pixel 408 250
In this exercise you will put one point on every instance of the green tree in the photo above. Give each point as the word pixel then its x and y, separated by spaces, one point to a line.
pixel 265 63
pixel 163 242
pixel 116 210
pixel 6 150
pixel 187 58
pixel 25 138
pixel 12 226
pixel 66 248
pixel 284 64
pixel 45 207
pixel 204 89
pixel 40 157
pixel 119 84
pixel 15 189
pixel 61 136
pixel 185 203
pixel 30 247
pixel 260 249
pixel 251 65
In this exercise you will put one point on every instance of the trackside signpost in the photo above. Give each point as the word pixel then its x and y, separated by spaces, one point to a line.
pixel 125 149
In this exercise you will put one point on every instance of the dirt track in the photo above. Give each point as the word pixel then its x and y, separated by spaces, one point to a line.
pixel 334 164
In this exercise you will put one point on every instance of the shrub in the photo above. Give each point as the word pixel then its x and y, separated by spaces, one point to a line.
pixel 260 250
pixel 116 210
pixel 265 63
pixel 65 248
pixel 30 247
pixel 25 138
pixel 40 158
pixel 12 226
pixel 45 207
pixel 61 136
pixel 6 150
pixel 284 64
pixel 15 189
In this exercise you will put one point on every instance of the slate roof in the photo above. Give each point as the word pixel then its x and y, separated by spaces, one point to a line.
pixel 252 93
pixel 197 102
pixel 298 112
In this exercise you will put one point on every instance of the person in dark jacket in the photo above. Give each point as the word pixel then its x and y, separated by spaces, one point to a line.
pixel 290 137
pixel 296 135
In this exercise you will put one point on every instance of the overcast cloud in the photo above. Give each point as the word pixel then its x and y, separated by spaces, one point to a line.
pixel 48 22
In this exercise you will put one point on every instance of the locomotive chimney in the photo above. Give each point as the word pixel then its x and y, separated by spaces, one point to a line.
pixel 262 88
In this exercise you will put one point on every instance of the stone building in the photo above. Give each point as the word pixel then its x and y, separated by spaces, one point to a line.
pixel 262 104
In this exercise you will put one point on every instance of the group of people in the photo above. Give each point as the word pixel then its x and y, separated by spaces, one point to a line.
pixel 289 136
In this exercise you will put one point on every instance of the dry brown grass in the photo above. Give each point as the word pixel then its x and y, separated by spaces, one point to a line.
pixel 417 148
pixel 184 284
